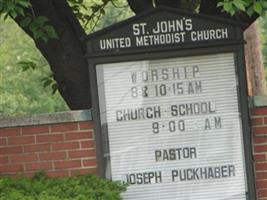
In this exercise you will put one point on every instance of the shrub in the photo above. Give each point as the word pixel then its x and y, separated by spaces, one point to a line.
pixel 40 187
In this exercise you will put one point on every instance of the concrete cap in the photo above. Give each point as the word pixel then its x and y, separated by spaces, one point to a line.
pixel 49 118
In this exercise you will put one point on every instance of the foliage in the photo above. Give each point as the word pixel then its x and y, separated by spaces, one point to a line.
pixel 23 75
pixel 112 15
pixel 94 15
pixel 38 25
pixel 249 6
pixel 40 28
pixel 13 8
pixel 88 12
pixel 85 187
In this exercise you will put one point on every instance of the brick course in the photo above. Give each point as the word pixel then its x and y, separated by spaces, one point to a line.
pixel 62 149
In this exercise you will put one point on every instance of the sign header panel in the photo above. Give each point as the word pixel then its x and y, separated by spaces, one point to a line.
pixel 161 29
pixel 174 127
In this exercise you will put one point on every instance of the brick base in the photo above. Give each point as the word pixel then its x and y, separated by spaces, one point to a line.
pixel 63 149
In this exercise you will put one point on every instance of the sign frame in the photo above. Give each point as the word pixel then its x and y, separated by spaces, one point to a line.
pixel 236 47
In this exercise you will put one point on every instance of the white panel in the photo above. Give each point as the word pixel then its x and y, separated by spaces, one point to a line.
pixel 195 149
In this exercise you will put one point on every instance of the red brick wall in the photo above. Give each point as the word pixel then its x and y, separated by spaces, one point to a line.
pixel 259 131
pixel 60 150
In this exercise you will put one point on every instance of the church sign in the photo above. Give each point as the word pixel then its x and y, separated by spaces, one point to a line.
pixel 169 97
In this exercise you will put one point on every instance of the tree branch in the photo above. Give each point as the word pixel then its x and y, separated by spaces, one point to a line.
pixel 169 3
pixel 209 7
pixel 138 6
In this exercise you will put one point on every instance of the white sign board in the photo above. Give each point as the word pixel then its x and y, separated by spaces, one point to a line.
pixel 174 127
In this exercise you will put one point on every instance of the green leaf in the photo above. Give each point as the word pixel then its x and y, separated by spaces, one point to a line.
pixel 1 6
pixel 250 11
pixel 41 20
pixel 54 88
pixel 26 65
pixel 257 7
pixel 103 11
pixel 25 22
pixel 23 3
pixel 6 16
pixel 20 11
pixel 95 8
pixel 220 4
pixel 47 82
pixel 10 5
pixel 45 38
pixel 228 7
pixel 239 4
pixel 51 32
pixel 264 4
pixel 38 34
pixel 82 187
pixel 13 14
pixel 25 68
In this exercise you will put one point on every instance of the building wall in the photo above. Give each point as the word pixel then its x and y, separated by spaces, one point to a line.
pixel 63 144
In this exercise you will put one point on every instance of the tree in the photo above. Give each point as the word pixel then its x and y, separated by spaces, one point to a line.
pixel 24 73
pixel 59 35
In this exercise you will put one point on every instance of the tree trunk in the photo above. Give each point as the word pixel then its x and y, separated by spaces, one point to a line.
pixel 254 62
pixel 138 6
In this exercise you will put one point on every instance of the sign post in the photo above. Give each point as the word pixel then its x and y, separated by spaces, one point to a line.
pixel 170 107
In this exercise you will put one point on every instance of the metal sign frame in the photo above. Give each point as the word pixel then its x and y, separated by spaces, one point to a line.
pixel 236 47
